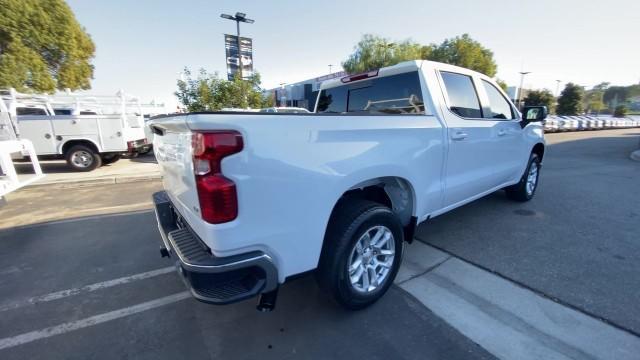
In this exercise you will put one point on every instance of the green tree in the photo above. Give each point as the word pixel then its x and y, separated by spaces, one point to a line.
pixel 466 52
pixel 570 100
pixel 503 85
pixel 593 100
pixel 43 47
pixel 374 52
pixel 540 98
pixel 620 111
pixel 603 86
pixel 209 92
pixel 615 95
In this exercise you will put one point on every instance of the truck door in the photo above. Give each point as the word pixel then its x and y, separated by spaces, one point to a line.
pixel 512 152
pixel 474 159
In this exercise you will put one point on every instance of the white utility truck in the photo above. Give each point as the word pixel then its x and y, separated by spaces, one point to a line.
pixel 87 131
pixel 252 199
pixel 10 146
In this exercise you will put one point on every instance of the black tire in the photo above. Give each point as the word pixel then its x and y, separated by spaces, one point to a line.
pixel 145 151
pixel 351 219
pixel 93 159
pixel 110 158
pixel 520 192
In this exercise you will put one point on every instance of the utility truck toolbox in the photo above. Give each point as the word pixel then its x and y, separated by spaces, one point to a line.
pixel 252 199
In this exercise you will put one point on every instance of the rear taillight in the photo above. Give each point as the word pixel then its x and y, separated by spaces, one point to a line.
pixel 217 194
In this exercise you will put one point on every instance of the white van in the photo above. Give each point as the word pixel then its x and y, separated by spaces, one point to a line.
pixel 87 131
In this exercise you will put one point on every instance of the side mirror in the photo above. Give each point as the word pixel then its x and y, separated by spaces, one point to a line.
pixel 533 114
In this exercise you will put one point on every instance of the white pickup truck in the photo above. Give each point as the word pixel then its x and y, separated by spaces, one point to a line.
pixel 252 199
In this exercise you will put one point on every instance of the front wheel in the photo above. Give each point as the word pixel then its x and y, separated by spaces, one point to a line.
pixel 362 253
pixel 526 188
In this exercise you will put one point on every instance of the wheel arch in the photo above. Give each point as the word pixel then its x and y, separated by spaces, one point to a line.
pixel 72 142
pixel 538 149
pixel 395 192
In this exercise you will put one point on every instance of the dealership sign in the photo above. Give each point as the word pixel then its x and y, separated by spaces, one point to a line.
pixel 237 60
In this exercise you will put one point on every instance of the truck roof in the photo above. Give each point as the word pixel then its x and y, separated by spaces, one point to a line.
pixel 403 67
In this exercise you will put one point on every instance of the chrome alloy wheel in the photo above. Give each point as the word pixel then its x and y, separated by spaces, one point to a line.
pixel 82 159
pixel 371 259
pixel 532 178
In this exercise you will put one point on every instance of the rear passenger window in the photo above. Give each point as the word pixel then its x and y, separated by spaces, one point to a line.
pixel 463 99
pixel 30 111
pixel 333 100
pixel 500 108
pixel 389 95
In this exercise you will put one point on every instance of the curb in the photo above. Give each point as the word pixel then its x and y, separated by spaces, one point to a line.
pixel 107 180
pixel 635 155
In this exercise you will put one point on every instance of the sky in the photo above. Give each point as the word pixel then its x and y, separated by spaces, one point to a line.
pixel 143 45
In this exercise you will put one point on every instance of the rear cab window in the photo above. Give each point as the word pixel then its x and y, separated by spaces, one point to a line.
pixel 462 96
pixel 398 94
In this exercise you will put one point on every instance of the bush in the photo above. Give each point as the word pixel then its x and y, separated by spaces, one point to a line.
pixel 620 111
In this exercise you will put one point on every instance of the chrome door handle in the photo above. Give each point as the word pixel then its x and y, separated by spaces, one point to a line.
pixel 459 135
pixel 502 132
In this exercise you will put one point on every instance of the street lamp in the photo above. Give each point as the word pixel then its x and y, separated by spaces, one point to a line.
pixel 522 74
pixel 558 87
pixel 330 66
pixel 238 18
pixel 283 95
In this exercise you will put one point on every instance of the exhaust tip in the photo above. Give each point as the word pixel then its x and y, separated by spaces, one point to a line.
pixel 267 301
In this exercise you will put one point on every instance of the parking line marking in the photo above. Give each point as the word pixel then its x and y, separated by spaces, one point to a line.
pixel 90 321
pixel 86 289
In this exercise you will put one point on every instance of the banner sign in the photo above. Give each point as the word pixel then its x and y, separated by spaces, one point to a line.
pixel 234 60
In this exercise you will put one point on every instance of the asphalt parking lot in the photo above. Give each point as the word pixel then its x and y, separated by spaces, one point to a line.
pixel 577 241
pixel 95 287
pixel 153 318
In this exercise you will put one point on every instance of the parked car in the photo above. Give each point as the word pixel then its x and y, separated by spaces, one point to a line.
pixel 251 200
pixel 567 124
pixel 550 125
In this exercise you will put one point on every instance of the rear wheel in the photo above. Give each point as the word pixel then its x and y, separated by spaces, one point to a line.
pixel 110 158
pixel 361 254
pixel 526 188
pixel 82 158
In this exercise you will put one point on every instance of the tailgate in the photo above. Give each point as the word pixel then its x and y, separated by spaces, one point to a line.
pixel 172 147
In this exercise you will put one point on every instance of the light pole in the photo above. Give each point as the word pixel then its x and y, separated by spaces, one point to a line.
pixel 557 87
pixel 283 95
pixel 522 74
pixel 330 66
pixel 238 18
